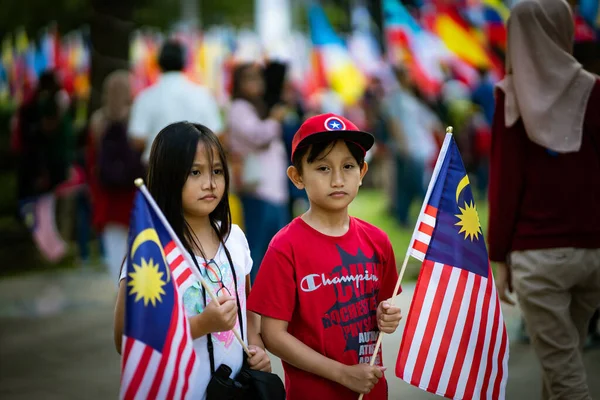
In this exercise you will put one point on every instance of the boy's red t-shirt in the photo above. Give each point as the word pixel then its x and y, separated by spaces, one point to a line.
pixel 328 289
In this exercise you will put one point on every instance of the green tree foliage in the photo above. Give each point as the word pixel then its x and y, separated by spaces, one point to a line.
pixel 35 15
pixel 237 12
pixel 159 14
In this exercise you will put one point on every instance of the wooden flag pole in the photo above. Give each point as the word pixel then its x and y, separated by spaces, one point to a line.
pixel 404 264
pixel 139 182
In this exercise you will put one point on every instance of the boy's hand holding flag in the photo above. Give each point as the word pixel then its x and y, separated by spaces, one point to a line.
pixel 388 317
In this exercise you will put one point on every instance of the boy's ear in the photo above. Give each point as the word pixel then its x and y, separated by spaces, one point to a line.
pixel 363 171
pixel 295 177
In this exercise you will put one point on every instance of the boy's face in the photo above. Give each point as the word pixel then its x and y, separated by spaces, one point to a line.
pixel 331 182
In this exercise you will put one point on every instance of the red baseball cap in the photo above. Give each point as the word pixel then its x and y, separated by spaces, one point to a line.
pixel 327 127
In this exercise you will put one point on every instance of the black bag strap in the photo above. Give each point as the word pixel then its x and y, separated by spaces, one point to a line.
pixel 209 342
pixel 237 299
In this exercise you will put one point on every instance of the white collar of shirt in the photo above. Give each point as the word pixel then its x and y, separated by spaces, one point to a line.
pixel 171 76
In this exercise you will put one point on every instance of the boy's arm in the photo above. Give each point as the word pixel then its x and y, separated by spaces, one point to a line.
pixel 254 336
pixel 259 360
pixel 360 378
pixel 253 320
pixel 296 353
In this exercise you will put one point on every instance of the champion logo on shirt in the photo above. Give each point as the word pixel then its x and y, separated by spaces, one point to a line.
pixel 313 282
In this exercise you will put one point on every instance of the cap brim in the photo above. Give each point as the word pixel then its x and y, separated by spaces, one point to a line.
pixel 363 139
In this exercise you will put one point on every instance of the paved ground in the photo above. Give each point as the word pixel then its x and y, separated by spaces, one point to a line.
pixel 56 343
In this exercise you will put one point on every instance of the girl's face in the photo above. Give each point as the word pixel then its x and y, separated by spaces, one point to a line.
pixel 253 84
pixel 205 185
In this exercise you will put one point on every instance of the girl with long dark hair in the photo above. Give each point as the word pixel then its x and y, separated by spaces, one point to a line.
pixel 189 179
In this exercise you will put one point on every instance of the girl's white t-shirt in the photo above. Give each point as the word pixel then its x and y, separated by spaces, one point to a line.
pixel 227 350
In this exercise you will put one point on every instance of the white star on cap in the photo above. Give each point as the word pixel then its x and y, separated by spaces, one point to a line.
pixel 334 124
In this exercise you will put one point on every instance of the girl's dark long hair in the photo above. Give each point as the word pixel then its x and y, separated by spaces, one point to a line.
pixel 171 159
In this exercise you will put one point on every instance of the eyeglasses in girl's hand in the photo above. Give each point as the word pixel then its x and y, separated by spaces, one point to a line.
pixel 214 274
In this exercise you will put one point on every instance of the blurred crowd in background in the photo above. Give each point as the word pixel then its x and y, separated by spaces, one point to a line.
pixel 75 166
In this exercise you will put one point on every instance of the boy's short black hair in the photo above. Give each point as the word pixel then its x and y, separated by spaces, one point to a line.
pixel 321 149
pixel 171 57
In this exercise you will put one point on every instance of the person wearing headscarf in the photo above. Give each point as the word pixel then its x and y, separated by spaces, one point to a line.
pixel 111 205
pixel 544 227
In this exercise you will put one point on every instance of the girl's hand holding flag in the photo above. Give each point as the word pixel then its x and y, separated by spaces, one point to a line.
pixel 218 316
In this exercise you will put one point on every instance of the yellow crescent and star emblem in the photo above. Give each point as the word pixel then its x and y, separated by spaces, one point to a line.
pixel 147 280
pixel 468 217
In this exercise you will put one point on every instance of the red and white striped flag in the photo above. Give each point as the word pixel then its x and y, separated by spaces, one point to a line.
pixel 455 342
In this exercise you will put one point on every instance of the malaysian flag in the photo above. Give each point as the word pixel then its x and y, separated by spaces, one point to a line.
pixel 158 360
pixel 455 342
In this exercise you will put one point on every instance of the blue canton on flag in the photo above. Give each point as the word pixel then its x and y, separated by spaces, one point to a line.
pixel 158 359
pixel 151 294
pixel 455 342
pixel 458 237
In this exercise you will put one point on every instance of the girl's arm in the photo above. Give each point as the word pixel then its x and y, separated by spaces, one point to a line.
pixel 359 378
pixel 119 321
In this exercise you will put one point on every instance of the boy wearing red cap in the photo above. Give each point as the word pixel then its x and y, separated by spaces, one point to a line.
pixel 324 281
